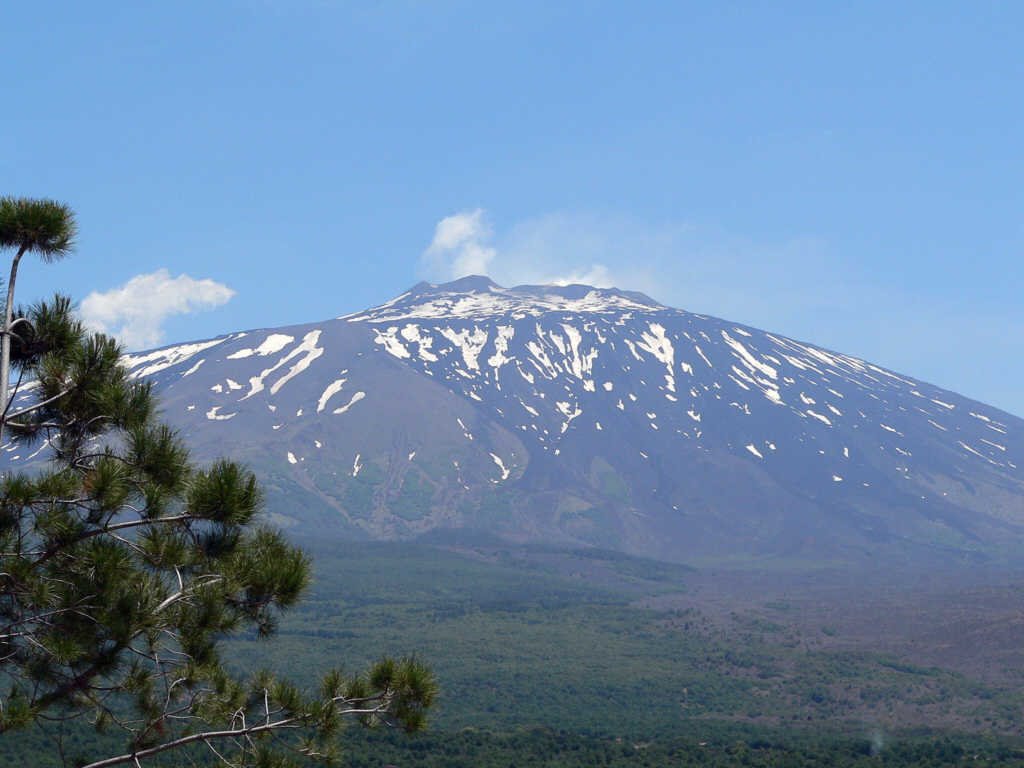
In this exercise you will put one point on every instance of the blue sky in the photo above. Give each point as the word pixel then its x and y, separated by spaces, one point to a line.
pixel 850 176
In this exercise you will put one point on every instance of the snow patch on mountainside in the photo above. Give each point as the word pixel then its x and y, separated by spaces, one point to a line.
pixel 150 363
pixel 275 342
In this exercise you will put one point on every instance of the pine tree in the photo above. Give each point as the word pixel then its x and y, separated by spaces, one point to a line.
pixel 124 565
pixel 45 227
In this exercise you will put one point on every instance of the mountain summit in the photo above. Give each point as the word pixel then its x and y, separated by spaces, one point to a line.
pixel 480 297
pixel 582 415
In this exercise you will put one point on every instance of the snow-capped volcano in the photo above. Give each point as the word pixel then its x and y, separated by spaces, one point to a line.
pixel 581 414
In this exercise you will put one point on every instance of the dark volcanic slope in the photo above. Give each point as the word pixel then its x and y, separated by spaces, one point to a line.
pixel 599 416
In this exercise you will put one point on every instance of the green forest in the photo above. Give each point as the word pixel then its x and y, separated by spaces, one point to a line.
pixel 545 657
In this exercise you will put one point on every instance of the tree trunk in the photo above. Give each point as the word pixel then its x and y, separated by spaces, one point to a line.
pixel 5 344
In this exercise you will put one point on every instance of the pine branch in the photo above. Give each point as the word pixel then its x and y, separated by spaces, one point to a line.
pixel 64 546
pixel 246 732
pixel 233 733
pixel 37 406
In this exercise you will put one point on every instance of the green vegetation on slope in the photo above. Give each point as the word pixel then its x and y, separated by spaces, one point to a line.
pixel 546 658
pixel 557 640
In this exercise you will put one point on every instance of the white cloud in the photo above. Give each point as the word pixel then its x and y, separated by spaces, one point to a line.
pixel 459 247
pixel 548 250
pixel 135 312
pixel 597 275
pixel 698 268
pixel 564 248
